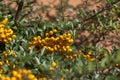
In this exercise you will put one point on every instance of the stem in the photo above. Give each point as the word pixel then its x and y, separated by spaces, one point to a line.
pixel 20 5
pixel 94 44
pixel 96 66
pixel 62 9
pixel 107 7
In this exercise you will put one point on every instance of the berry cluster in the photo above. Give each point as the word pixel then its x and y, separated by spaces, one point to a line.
pixel 6 34
pixel 53 65
pixel 21 74
pixel 72 57
pixel 5 55
pixel 8 53
pixel 53 43
pixel 87 56
pixel 51 33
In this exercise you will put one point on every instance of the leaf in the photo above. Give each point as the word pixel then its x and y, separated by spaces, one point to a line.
pixel 41 67
pixel 31 50
pixel 27 0
pixel 42 51
pixel 26 32
pixel 37 60
pixel 111 0
pixel 21 48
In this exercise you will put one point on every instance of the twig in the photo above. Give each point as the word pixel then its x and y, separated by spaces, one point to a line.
pixel 20 5
pixel 62 9
pixel 107 7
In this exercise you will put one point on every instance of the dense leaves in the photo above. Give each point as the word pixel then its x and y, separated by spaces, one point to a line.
pixel 36 49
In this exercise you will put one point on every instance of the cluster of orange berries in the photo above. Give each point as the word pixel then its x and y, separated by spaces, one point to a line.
pixel 53 64
pixel 4 55
pixel 8 53
pixel 21 74
pixel 6 62
pixel 79 52
pixel 72 57
pixel 6 34
pixel 88 56
pixel 53 43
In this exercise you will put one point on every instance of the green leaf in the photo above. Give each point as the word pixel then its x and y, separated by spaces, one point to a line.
pixel 27 0
pixel 21 48
pixel 42 51
pixel 37 60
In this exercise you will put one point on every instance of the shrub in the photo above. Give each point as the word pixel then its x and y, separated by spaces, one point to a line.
pixel 32 48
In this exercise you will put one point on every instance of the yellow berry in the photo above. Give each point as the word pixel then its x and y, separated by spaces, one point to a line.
pixel 19 75
pixel 4 21
pixel 13 78
pixel 7 62
pixel 53 64
pixel 54 30
pixel 51 32
pixel 69 50
pixel 1 25
pixel 7 78
pixel 35 38
pixel 14 36
pixel 89 53
pixel 71 57
pixel 9 39
pixel 14 66
pixel 75 56
pixel 3 36
pixel 46 34
pixel 14 73
pixel 51 68
pixel 69 34
pixel 30 76
pixel 62 79
pixel 1 63
pixel 71 40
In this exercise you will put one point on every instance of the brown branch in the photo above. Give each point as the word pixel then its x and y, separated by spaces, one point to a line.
pixel 62 9
pixel 107 7
pixel 20 5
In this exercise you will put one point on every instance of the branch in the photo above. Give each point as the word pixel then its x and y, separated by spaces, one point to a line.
pixel 20 5
pixel 62 9
pixel 107 7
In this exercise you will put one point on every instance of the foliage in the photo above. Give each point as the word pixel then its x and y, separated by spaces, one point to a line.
pixel 36 49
